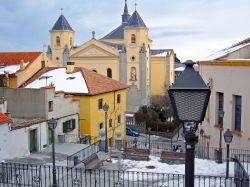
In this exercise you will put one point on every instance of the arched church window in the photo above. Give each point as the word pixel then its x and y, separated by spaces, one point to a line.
pixel 133 74
pixel 58 40
pixel 133 39
pixel 109 72
pixel 70 41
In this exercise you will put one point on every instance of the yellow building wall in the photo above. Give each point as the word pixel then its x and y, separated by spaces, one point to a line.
pixel 57 50
pixel 23 75
pixel 99 64
pixel 91 116
pixel 158 76
pixel 133 50
pixel 171 67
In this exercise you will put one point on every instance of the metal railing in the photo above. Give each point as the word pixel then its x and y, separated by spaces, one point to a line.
pixel 156 147
pixel 82 155
pixel 203 152
pixel 241 165
pixel 41 175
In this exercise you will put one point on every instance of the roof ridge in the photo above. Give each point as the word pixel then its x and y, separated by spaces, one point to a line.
pixel 62 24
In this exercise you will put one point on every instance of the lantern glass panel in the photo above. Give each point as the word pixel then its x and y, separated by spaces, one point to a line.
pixel 190 105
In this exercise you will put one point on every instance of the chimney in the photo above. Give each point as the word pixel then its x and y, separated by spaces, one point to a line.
pixel 70 67
pixel 8 114
pixel 3 105
pixel 22 65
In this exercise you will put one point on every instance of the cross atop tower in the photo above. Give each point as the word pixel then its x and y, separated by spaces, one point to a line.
pixel 61 11
pixel 135 5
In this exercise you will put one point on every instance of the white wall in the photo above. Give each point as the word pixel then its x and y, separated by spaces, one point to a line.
pixel 15 143
pixel 230 80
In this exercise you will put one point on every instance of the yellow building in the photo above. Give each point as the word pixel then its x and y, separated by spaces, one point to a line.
pixel 92 90
pixel 18 67
pixel 125 54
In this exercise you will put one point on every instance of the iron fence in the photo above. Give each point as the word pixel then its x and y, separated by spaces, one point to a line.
pixel 203 152
pixel 156 147
pixel 83 154
pixel 41 175
pixel 241 165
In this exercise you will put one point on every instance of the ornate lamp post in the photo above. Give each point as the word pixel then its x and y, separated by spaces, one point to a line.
pixel 202 142
pixel 106 108
pixel 149 129
pixel 228 137
pixel 52 123
pixel 221 116
pixel 189 96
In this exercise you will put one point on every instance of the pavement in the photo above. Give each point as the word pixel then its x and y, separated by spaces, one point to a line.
pixel 45 157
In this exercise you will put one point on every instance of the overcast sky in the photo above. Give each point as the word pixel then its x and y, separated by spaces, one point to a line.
pixel 193 28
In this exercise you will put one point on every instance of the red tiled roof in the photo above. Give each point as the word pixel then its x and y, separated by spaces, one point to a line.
pixel 98 83
pixel 14 58
pixel 4 118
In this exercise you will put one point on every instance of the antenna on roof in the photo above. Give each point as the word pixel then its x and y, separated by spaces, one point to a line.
pixel 45 77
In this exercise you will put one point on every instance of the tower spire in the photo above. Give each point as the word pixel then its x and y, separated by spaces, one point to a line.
pixel 125 15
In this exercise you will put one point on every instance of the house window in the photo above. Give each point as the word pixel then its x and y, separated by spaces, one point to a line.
pixel 99 104
pixel 109 72
pixel 69 125
pixel 133 74
pixel 50 106
pixel 119 119
pixel 110 123
pixel 237 113
pixel 220 107
pixel 133 39
pixel 118 98
pixel 100 125
pixel 58 41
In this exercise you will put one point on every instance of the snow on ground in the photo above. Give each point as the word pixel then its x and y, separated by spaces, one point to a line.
pixel 172 175
pixel 202 167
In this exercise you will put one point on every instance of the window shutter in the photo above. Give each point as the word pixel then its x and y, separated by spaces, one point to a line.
pixel 73 123
pixel 64 127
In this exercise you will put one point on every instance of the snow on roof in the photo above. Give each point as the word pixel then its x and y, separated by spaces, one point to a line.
pixel 9 69
pixel 161 52
pixel 72 83
pixel 226 51
pixel 179 69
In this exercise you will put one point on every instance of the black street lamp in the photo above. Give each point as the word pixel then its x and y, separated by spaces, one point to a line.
pixel 52 123
pixel 202 142
pixel 106 108
pixel 189 96
pixel 228 137
pixel 149 129
pixel 221 116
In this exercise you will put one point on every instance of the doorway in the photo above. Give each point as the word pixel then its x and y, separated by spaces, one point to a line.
pixel 33 141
